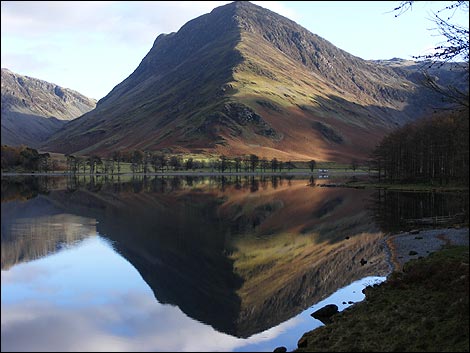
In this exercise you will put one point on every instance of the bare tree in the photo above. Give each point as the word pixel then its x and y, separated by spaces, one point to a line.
pixel 454 49
pixel 312 164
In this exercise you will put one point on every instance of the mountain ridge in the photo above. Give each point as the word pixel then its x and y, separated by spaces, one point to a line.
pixel 243 79
pixel 32 109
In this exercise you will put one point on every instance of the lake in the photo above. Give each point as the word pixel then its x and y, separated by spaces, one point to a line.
pixel 190 263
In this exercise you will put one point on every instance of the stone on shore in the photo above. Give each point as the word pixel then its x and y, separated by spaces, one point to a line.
pixel 324 314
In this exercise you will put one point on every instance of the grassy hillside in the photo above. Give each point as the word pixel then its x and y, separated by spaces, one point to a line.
pixel 425 308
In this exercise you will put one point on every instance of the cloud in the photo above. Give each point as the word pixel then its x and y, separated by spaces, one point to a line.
pixel 25 274
pixel 24 62
pixel 91 46
pixel 278 7
pixel 129 322
pixel 128 20
pixel 37 18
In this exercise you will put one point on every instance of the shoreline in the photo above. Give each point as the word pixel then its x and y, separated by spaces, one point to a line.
pixel 415 244
pixel 331 176
pixel 402 248
pixel 199 173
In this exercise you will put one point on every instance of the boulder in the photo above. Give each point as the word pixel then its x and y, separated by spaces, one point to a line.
pixel 324 314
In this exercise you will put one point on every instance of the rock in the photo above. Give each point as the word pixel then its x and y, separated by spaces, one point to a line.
pixel 414 231
pixel 324 314
pixel 281 349
pixel 412 252
pixel 363 262
pixel 350 302
pixel 302 342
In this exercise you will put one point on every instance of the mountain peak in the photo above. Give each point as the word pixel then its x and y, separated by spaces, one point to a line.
pixel 243 79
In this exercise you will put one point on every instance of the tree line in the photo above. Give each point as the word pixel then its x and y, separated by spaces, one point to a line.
pixel 146 161
pixel 26 159
pixel 434 150
pixel 29 159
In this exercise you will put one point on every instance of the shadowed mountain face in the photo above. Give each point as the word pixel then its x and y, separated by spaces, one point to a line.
pixel 242 256
pixel 33 109
pixel 243 79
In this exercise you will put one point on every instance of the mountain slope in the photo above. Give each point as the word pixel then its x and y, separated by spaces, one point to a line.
pixel 33 109
pixel 243 79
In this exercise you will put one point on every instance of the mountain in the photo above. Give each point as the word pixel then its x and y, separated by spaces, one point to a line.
pixel 243 79
pixel 33 109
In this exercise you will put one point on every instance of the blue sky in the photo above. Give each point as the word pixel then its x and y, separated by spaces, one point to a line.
pixel 92 46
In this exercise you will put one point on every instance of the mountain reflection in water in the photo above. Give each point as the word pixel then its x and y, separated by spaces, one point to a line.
pixel 241 254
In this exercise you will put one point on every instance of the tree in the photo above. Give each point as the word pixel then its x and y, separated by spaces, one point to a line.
pixel 430 150
pixel 290 165
pixel 264 164
pixel 223 163
pixel 457 44
pixel 176 162
pixel 159 161
pixel 117 157
pixel 29 158
pixel 45 161
pixel 137 160
pixel 274 164
pixel 189 164
pixel 312 164
pixel 254 160
pixel 93 162
pixel 454 49
pixel 147 157
pixel 81 162
pixel 238 164
pixel 99 164
pixel 54 165
pixel 354 164
pixel 109 166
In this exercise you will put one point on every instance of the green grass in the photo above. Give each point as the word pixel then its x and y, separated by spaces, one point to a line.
pixel 425 308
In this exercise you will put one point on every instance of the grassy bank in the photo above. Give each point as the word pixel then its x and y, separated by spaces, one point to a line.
pixel 423 308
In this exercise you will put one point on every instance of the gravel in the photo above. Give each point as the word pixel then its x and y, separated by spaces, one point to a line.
pixel 420 243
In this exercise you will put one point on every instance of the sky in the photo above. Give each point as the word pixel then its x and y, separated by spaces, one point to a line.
pixel 91 46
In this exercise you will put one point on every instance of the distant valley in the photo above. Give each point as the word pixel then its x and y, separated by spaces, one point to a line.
pixel 33 109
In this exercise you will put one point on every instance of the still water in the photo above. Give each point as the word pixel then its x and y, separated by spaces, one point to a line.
pixel 188 264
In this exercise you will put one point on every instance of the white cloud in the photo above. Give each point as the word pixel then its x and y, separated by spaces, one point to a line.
pixel 91 46
pixel 132 322
pixel 87 46
pixel 279 8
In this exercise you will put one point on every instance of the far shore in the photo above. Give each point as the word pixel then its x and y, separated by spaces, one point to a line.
pixel 195 173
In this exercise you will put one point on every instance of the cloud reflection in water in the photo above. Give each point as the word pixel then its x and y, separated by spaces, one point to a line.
pixel 122 314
